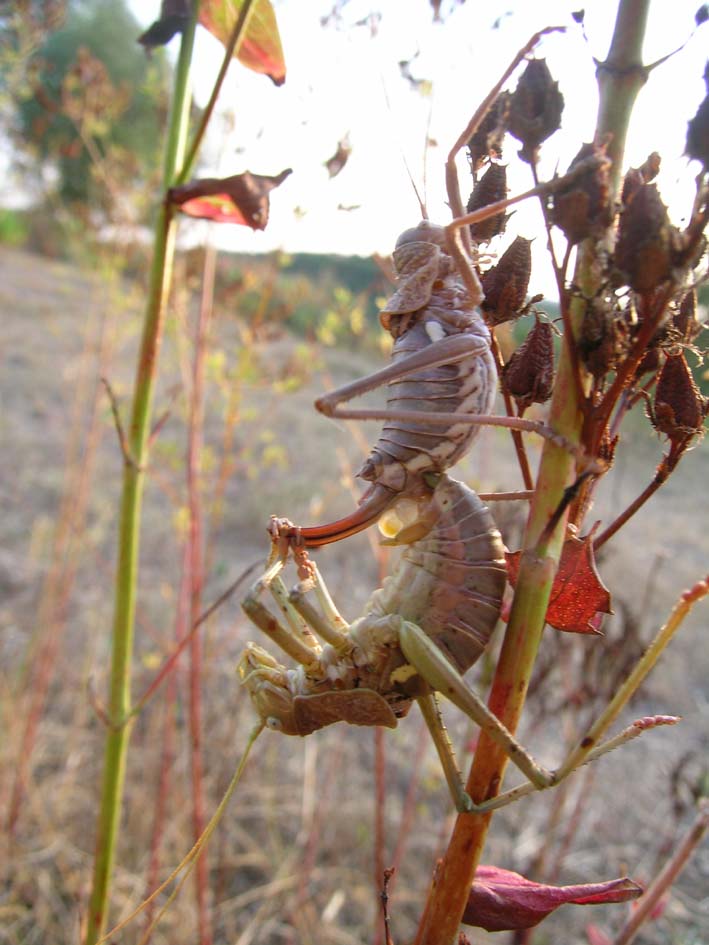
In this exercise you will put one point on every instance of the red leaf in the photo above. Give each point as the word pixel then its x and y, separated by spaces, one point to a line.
pixel 501 900
pixel 579 597
pixel 242 198
pixel 260 48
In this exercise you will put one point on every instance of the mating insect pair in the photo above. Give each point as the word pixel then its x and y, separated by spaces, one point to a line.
pixel 433 617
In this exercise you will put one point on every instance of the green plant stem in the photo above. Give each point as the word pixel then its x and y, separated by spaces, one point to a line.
pixel 237 34
pixel 118 734
pixel 620 79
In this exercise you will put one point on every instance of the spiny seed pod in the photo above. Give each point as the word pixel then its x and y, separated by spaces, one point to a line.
pixel 647 242
pixel 697 146
pixel 486 143
pixel 637 176
pixel 685 318
pixel 529 374
pixel 679 408
pixel 535 109
pixel 649 363
pixel 584 206
pixel 491 187
pixel 505 285
pixel 604 337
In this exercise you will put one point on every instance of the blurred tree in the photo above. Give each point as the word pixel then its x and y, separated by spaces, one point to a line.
pixel 91 107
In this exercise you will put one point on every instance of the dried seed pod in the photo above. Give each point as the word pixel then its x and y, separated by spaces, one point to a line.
pixel 697 146
pixel 491 187
pixel 679 408
pixel 647 242
pixel 649 363
pixel 529 374
pixel 604 337
pixel 535 109
pixel 685 318
pixel 637 176
pixel 486 143
pixel 505 285
pixel 584 206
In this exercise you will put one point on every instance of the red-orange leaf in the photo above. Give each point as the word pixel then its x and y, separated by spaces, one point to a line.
pixel 260 48
pixel 241 199
pixel 578 597
pixel 500 900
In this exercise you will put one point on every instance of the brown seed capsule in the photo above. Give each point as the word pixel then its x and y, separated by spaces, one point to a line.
pixel 584 206
pixel 604 337
pixel 529 374
pixel 647 242
pixel 491 187
pixel 679 408
pixel 505 285
pixel 685 318
pixel 487 141
pixel 637 176
pixel 535 109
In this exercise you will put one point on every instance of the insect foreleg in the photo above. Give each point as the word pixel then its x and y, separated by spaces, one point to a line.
pixel 297 640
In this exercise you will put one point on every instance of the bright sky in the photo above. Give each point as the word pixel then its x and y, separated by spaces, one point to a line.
pixel 345 79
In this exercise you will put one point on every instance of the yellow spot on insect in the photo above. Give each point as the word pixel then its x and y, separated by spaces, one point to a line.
pixel 403 673
pixel 404 512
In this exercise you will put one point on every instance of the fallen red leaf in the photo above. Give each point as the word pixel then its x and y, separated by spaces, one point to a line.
pixel 501 900
pixel 579 597
pixel 241 199
pixel 260 48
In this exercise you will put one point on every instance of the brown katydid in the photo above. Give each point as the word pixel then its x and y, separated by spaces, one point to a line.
pixel 420 632
pixel 442 378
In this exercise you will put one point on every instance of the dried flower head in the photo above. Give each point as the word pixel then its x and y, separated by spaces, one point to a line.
pixel 679 408
pixel 584 206
pixel 487 141
pixel 604 337
pixel 491 187
pixel 505 285
pixel 648 244
pixel 529 374
pixel 535 109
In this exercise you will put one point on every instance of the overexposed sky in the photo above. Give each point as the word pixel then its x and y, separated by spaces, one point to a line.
pixel 345 79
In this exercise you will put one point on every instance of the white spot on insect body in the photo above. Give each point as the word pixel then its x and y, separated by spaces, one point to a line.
pixel 434 330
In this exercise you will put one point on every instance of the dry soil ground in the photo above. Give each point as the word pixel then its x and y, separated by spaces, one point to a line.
pixel 292 861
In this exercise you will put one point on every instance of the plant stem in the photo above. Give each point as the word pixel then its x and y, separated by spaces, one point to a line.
pixel 620 79
pixel 118 734
pixel 237 34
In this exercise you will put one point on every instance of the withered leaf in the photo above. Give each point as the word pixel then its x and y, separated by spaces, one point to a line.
pixel 578 596
pixel 174 15
pixel 241 199
pixel 260 49
pixel 501 900
pixel 338 160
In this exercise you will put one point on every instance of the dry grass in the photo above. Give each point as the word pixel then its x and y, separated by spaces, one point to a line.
pixel 292 861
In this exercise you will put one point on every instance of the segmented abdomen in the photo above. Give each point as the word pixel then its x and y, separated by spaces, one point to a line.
pixel 405 449
pixel 451 581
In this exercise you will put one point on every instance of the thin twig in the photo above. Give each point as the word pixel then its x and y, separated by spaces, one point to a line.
pixel 118 423
pixel 665 878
